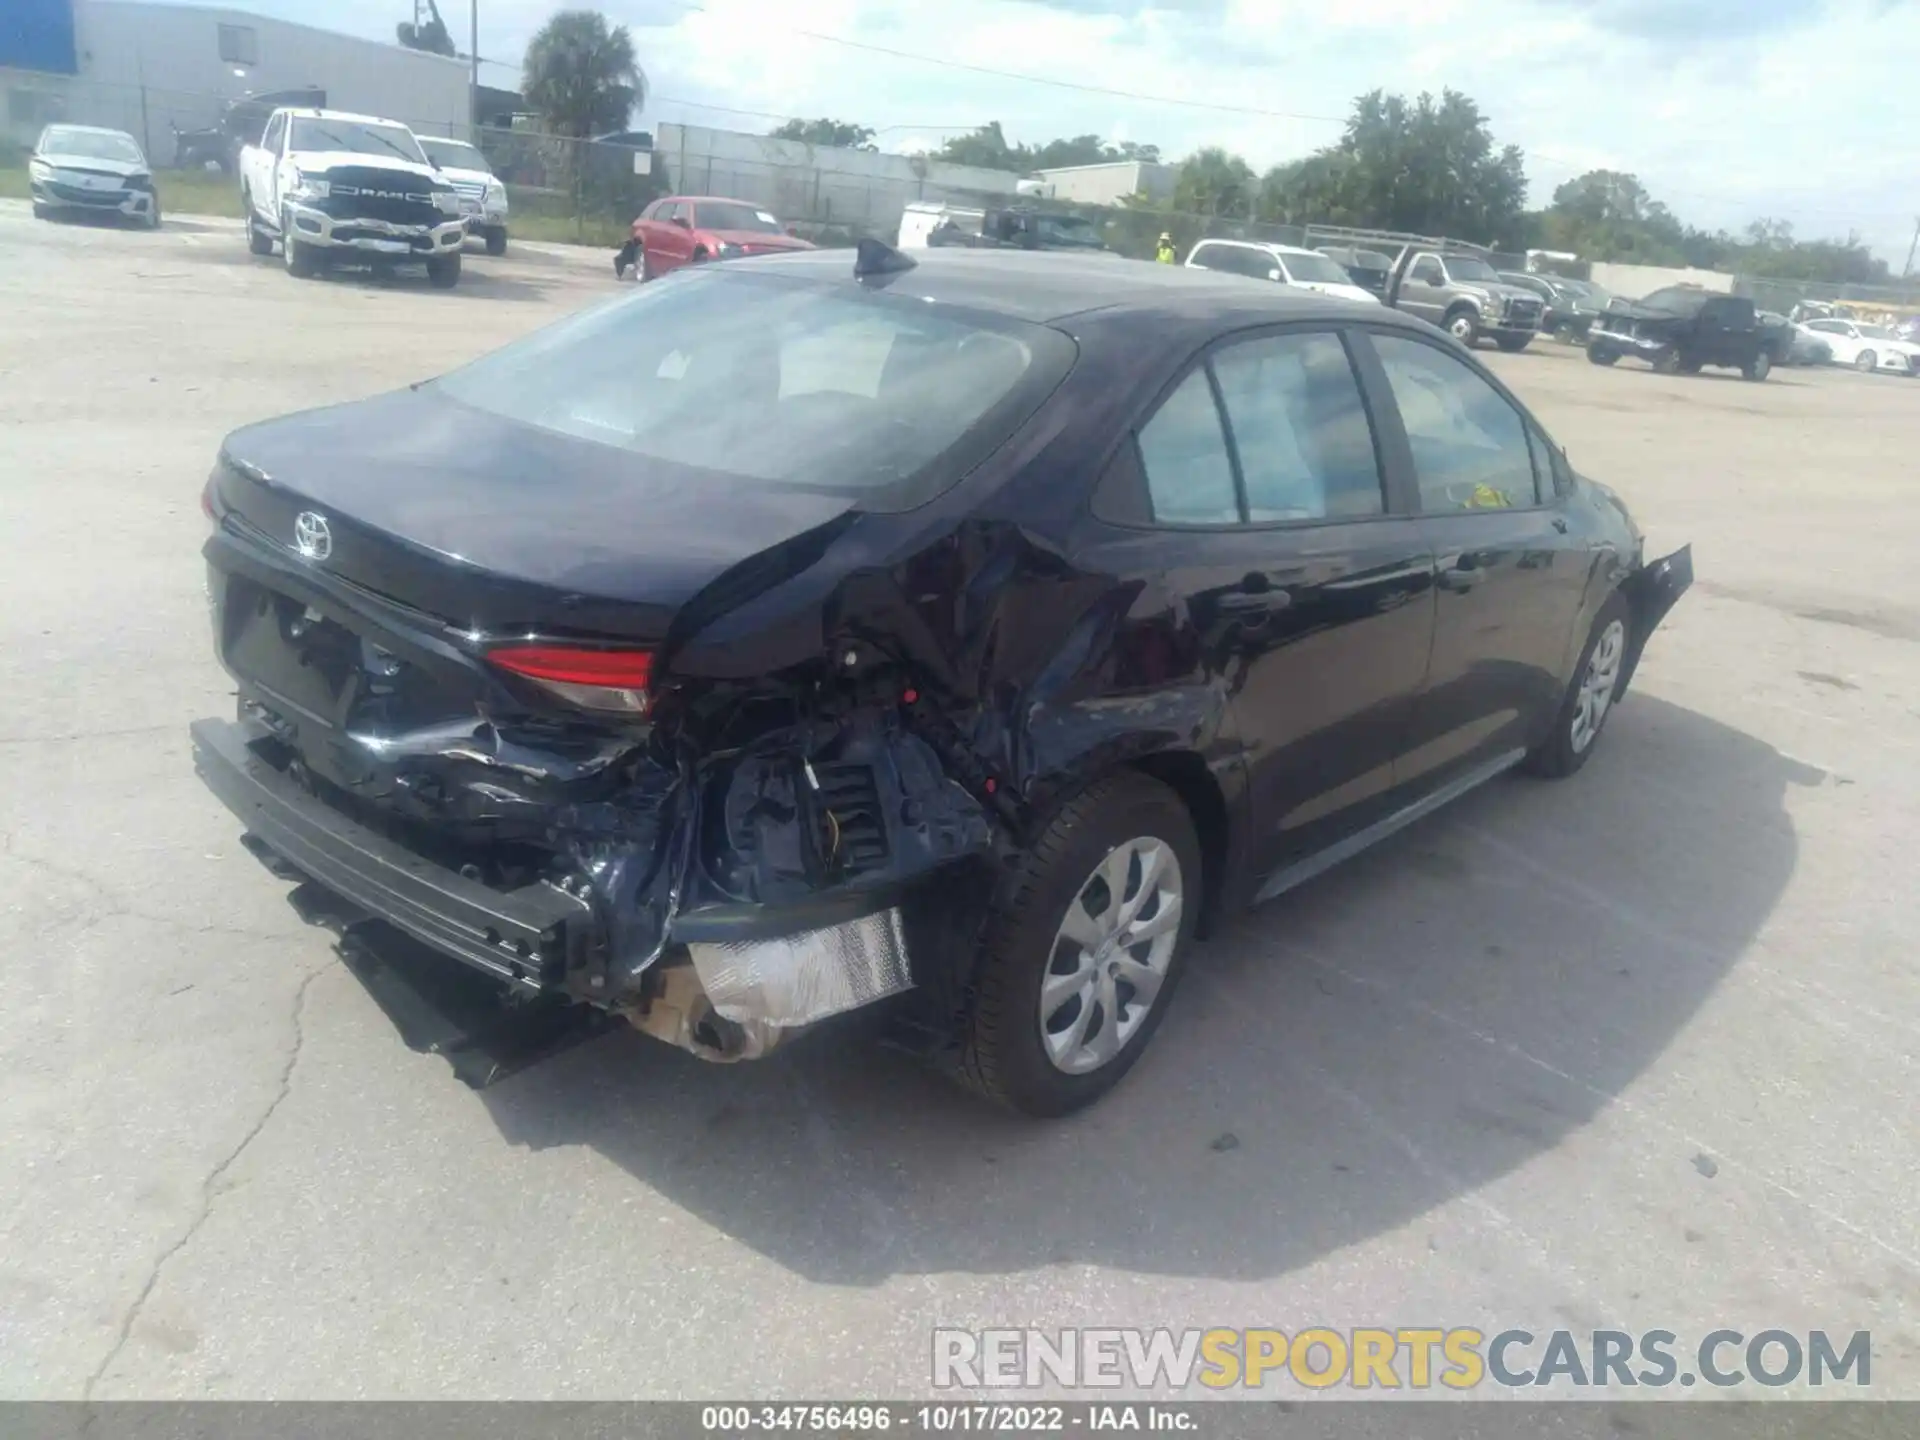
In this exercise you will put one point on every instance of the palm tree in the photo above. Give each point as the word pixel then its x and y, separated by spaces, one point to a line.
pixel 581 75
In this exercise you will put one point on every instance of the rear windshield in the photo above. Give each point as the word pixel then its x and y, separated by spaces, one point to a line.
pixel 885 399
pixel 355 137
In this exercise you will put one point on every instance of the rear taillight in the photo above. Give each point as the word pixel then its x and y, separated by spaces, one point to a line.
pixel 206 502
pixel 612 681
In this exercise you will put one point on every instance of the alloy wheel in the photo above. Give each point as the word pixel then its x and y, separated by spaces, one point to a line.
pixel 1597 685
pixel 1110 955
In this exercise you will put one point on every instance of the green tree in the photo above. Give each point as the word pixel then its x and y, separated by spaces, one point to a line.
pixel 1428 166
pixel 839 134
pixel 989 147
pixel 986 147
pixel 581 75
pixel 1215 182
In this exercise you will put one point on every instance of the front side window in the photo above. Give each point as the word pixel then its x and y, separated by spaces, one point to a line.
pixel 276 127
pixel 1184 452
pixel 1427 271
pixel 1469 443
pixel 1209 257
pixel 1466 267
pixel 881 399
pixel 1300 429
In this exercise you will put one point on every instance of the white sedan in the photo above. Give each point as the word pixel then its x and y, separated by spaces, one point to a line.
pixel 1867 347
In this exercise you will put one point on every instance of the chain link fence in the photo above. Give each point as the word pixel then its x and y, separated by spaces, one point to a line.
pixel 588 191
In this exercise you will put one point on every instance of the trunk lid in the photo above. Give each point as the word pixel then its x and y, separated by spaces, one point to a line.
pixel 495 526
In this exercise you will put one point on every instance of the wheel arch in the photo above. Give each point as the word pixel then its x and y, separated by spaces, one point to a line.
pixel 1187 774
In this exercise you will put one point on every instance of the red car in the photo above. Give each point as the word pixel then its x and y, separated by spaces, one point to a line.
pixel 681 230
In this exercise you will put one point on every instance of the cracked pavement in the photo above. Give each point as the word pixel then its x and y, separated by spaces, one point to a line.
pixel 1639 1050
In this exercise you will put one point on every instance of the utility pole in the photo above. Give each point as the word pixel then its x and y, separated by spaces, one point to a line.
pixel 1910 249
pixel 473 34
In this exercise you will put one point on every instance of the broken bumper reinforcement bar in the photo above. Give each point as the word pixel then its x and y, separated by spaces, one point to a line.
pixel 516 936
pixel 838 953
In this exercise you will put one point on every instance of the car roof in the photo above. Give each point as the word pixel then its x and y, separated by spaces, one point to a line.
pixel 1051 285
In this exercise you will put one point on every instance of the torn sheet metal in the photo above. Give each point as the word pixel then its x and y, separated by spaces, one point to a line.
pixel 797 979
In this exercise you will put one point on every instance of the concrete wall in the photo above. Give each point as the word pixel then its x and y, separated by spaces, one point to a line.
pixel 147 67
pixel 1630 282
pixel 861 189
pixel 1110 184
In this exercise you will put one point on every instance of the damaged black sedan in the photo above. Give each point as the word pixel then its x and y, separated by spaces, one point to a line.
pixel 961 638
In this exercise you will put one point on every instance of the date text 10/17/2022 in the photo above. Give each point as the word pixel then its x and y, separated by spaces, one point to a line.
pixel 947 1418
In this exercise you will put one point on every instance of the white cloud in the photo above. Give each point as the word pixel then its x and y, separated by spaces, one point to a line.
pixel 1727 109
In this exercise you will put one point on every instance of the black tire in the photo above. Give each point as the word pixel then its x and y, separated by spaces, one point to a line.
pixel 1687 367
pixel 1667 362
pixel 1003 1056
pixel 1866 362
pixel 1759 367
pixel 1558 756
pixel 300 258
pixel 1563 332
pixel 1461 323
pixel 1513 344
pixel 41 212
pixel 258 241
pixel 153 214
pixel 443 271
pixel 1602 354
pixel 497 240
pixel 700 256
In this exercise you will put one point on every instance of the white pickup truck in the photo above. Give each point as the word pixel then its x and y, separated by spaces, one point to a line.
pixel 328 185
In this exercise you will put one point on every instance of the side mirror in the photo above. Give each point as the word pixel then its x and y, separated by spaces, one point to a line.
pixel 683 222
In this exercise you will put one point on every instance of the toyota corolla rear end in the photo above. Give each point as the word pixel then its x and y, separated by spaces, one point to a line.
pixel 525 713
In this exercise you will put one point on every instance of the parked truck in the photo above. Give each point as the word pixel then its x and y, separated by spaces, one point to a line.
pixel 1464 296
pixel 327 185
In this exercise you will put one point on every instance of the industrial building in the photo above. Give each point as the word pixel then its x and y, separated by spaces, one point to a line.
pixel 148 68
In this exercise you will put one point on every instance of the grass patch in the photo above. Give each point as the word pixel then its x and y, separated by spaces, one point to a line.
pixel 182 192
pixel 536 214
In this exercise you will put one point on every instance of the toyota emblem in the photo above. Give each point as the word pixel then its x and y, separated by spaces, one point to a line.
pixel 311 536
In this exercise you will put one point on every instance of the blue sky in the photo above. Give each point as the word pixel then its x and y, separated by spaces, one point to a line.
pixel 1727 109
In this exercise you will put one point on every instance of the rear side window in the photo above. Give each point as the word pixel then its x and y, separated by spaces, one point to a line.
pixel 883 399
pixel 1184 452
pixel 1300 429
pixel 1470 447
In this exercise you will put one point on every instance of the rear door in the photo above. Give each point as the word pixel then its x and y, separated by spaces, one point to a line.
pixel 1310 593
pixel 1728 331
pixel 1510 580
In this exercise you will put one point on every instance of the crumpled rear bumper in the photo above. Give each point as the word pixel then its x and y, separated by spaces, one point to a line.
pixel 736 981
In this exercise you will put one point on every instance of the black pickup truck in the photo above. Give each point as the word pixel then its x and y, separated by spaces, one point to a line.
pixel 1680 329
